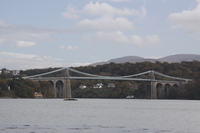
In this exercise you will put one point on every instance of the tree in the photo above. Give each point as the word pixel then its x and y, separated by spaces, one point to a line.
pixel 193 90
pixel 46 89
pixel 173 93
pixel 3 85
pixel 32 84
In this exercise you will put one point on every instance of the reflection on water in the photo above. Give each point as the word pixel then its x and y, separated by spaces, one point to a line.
pixel 99 115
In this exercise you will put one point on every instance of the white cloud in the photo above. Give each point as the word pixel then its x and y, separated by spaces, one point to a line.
pixel 17 55
pixel 18 61
pixel 27 61
pixel 14 33
pixel 136 40
pixel 187 19
pixel 119 0
pixel 2 40
pixel 25 44
pixel 113 37
pixel 105 9
pixel 121 38
pixel 153 57
pixel 106 24
pixel 166 0
pixel 3 24
pixel 143 13
pixel 99 9
pixel 110 24
pixel 69 47
pixel 71 13
pixel 153 39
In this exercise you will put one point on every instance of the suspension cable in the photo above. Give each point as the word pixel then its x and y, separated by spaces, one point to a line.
pixel 171 76
pixel 128 76
pixel 79 72
pixel 44 73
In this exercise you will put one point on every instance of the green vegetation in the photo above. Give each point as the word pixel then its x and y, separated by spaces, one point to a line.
pixel 25 88
pixel 121 90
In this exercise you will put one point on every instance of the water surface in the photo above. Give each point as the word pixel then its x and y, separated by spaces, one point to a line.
pixel 99 115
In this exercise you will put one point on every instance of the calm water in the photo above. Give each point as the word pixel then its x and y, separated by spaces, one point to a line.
pixel 99 115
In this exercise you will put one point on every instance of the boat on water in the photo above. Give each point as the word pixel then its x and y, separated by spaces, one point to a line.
pixel 129 97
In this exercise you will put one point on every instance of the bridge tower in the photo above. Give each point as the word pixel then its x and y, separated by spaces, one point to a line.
pixel 151 88
pixel 67 86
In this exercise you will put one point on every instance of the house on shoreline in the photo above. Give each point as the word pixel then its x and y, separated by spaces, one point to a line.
pixel 38 95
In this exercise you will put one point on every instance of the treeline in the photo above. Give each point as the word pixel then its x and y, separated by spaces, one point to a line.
pixel 183 69
pixel 24 88
pixel 190 70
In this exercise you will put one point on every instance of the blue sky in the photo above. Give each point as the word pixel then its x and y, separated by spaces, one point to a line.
pixel 63 33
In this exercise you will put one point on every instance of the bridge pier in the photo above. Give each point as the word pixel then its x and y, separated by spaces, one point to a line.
pixel 67 88
pixel 160 90
pixel 69 93
pixel 153 91
pixel 54 89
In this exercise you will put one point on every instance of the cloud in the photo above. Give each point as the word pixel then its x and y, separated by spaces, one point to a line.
pixel 25 44
pixel 14 33
pixel 71 13
pixel 166 0
pixel 105 9
pixel 27 61
pixel 119 0
pixel 98 9
pixel 106 24
pixel 187 19
pixel 3 24
pixel 2 40
pixel 18 61
pixel 17 55
pixel 69 47
pixel 153 39
pixel 121 38
pixel 143 13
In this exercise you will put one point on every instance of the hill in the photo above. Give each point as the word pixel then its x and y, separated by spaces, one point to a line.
pixel 133 59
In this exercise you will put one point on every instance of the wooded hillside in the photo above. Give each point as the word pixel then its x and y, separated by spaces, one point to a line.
pixel 190 70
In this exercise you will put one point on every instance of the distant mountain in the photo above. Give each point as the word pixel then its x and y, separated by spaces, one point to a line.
pixel 181 57
pixel 134 59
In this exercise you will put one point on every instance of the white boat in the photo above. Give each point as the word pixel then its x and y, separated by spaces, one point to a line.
pixel 130 97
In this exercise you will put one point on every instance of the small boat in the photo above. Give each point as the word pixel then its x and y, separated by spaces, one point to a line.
pixel 129 97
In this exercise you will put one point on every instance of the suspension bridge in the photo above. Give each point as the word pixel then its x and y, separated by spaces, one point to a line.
pixel 157 88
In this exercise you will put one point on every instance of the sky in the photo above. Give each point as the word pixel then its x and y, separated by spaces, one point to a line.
pixel 64 33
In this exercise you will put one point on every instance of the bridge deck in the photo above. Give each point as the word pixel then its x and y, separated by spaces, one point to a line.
pixel 105 78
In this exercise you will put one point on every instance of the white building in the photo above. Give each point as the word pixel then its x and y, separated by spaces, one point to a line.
pixel 111 85
pixel 98 85
pixel 15 72
pixel 82 86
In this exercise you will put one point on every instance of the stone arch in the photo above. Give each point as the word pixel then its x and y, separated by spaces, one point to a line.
pixel 59 89
pixel 160 90
pixel 175 86
pixel 52 83
pixel 166 89
pixel 52 86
